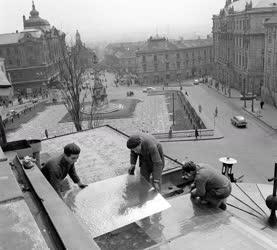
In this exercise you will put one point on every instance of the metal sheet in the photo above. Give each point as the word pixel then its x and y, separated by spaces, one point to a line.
pixel 110 204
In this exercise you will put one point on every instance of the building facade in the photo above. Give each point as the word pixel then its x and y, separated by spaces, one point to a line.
pixel 239 44
pixel 160 61
pixel 32 55
pixel 269 89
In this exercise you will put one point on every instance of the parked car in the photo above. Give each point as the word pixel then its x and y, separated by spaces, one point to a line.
pixel 196 82
pixel 239 121
pixel 34 100
pixel 148 89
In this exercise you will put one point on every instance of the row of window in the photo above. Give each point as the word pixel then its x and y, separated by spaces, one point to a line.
pixel 178 64
pixel 240 24
pixel 185 55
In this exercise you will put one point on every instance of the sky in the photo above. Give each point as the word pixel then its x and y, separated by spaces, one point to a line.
pixel 116 20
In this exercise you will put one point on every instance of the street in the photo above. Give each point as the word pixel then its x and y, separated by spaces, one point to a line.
pixel 253 147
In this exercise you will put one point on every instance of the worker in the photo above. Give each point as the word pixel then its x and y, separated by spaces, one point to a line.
pixel 151 158
pixel 56 169
pixel 208 185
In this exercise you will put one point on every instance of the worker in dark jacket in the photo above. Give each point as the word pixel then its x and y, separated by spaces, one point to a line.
pixel 151 158
pixel 57 168
pixel 208 185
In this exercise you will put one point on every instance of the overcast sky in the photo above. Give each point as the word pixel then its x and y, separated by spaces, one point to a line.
pixel 115 20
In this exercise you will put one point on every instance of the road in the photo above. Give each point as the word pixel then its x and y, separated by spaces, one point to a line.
pixel 253 147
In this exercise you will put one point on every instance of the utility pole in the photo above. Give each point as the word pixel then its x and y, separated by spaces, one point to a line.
pixel 173 108
pixel 252 103
pixel 244 89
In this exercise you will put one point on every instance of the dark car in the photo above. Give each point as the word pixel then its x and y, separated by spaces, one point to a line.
pixel 239 121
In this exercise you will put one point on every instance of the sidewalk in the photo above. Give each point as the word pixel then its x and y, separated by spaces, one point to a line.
pixel 267 115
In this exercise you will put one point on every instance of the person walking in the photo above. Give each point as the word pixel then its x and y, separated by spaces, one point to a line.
pixel 262 104
pixel 151 158
pixel 196 133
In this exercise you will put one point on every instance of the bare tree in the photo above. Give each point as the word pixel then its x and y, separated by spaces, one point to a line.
pixel 72 77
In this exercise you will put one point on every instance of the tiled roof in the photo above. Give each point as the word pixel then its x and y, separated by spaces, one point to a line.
pixel 194 43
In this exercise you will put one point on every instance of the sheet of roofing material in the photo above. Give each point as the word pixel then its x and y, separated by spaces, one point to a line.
pixel 18 229
pixel 113 203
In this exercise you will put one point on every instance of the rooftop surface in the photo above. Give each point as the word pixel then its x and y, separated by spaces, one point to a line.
pixel 119 210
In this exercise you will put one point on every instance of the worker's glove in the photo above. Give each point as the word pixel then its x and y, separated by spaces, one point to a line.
pixel 131 170
pixel 81 185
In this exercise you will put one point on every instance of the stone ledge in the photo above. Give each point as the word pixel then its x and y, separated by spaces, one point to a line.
pixel 8 185
pixel 71 233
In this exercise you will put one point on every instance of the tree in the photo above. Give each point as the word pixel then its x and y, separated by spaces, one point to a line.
pixel 73 69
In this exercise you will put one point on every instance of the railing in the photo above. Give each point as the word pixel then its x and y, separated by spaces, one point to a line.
pixel 185 134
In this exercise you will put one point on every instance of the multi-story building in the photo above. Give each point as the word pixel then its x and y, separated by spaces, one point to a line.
pixel 161 60
pixel 269 89
pixel 239 44
pixel 32 55
pixel 6 90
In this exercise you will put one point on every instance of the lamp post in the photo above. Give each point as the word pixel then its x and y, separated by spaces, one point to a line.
pixel 173 108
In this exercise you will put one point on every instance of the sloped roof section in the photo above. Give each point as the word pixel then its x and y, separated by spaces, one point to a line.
pixel 240 5
pixel 11 38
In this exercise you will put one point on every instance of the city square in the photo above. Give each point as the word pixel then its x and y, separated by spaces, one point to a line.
pixel 77 113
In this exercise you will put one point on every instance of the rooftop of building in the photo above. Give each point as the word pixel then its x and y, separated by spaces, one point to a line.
pixel 128 212
pixel 11 38
pixel 240 5
pixel 271 20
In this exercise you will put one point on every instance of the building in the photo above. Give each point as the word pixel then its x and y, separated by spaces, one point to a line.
pixel 122 56
pixel 32 55
pixel 86 55
pixel 269 89
pixel 6 90
pixel 239 44
pixel 161 60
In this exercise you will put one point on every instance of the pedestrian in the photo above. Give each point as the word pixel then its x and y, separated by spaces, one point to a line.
pixel 196 133
pixel 46 133
pixel 262 104
pixel 151 158
pixel 56 169
pixel 199 108
pixel 187 93
pixel 208 186
pixel 170 132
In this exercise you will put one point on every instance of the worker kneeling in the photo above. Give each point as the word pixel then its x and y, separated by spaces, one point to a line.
pixel 208 185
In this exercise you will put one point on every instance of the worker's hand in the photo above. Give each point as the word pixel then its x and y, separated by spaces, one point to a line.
pixel 81 185
pixel 157 186
pixel 131 170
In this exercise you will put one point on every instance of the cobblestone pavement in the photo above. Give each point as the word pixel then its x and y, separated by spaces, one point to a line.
pixel 151 115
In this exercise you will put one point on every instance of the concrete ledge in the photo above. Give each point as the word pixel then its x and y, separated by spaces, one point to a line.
pixel 8 185
pixel 71 232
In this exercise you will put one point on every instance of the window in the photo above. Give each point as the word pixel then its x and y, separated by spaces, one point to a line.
pixel 156 67
pixel 167 66
pixel 144 67
pixel 166 56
